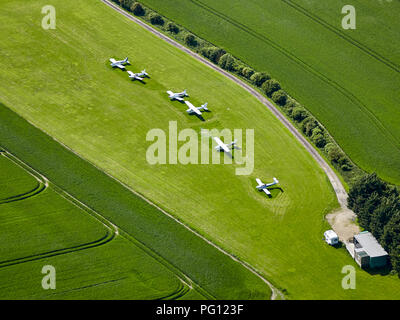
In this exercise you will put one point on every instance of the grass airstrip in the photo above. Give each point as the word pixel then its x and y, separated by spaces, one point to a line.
pixel 348 79
pixel 60 81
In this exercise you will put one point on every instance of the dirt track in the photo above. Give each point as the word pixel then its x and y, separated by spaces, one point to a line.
pixel 335 181
pixel 343 224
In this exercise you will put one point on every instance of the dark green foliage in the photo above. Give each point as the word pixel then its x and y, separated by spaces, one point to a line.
pixel 377 205
pixel 227 62
pixel 212 53
pixel 329 146
pixel 259 78
pixel 270 86
pixel 308 125
pixel 156 19
pixel 289 106
pixel 172 27
pixel 382 214
pixel 299 114
pixel 238 67
pixel 137 9
pixel 247 72
pixel 190 40
pixel 334 154
pixel 126 4
pixel 391 240
pixel 279 97
pixel 318 137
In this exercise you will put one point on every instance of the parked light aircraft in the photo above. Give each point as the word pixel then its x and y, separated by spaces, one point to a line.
pixel 197 110
pixel 177 96
pixel 224 147
pixel 119 63
pixel 138 76
pixel 264 186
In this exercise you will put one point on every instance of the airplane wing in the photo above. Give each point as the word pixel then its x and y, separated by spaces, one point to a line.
pixel 178 98
pixel 193 108
pixel 266 191
pixel 170 93
pixel 120 66
pixel 221 144
pixel 259 182
pixel 130 73
pixel 112 60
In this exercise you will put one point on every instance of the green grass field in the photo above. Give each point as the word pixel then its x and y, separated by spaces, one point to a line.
pixel 44 228
pixel 211 273
pixel 347 78
pixel 65 87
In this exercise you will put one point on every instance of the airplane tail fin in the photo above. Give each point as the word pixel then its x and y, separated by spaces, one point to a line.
pixel 126 60
pixel 204 106
pixel 184 92
pixel 276 180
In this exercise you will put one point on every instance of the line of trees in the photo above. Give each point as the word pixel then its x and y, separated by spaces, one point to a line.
pixel 303 119
pixel 377 205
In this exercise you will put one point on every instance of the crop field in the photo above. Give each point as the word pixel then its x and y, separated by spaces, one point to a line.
pixel 142 224
pixel 347 78
pixel 40 227
pixel 66 89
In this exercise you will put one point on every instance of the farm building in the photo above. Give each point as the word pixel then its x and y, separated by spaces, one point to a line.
pixel 368 253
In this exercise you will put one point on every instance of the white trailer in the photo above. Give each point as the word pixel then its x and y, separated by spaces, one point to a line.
pixel 331 237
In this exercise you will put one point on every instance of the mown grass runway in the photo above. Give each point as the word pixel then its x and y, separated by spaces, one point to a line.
pixel 347 78
pixel 212 274
pixel 65 87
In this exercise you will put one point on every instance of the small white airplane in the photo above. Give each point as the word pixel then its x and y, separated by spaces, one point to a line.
pixel 197 110
pixel 222 146
pixel 177 96
pixel 264 186
pixel 138 76
pixel 119 63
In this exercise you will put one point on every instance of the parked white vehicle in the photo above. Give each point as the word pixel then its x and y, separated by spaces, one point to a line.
pixel 331 237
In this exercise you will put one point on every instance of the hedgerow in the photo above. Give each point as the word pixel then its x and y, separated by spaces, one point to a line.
pixel 302 119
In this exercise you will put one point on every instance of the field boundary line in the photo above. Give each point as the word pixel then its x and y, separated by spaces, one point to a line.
pixel 335 181
pixel 337 185
pixel 179 274
pixel 243 263
pixel 45 183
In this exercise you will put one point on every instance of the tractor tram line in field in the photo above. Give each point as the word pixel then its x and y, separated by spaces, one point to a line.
pixel 333 178
pixel 307 67
pixel 336 183
pixel 274 290
pixel 43 185
pixel 346 37
pixel 85 193
pixel 113 231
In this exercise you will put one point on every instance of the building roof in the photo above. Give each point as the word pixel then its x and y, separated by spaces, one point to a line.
pixel 370 245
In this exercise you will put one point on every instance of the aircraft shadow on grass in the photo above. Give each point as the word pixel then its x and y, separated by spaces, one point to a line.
pixel 200 116
pixel 275 191
pixel 141 81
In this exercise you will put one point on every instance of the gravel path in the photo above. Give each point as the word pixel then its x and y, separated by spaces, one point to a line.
pixel 342 220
